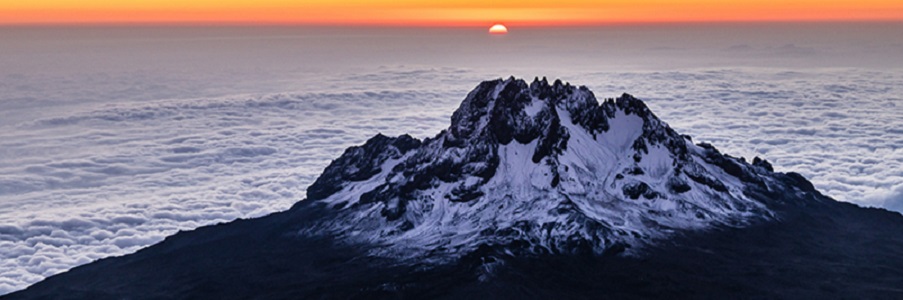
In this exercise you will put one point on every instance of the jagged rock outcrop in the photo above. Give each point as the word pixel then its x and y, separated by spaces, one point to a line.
pixel 538 164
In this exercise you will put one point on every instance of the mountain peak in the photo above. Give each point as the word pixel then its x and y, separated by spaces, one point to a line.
pixel 544 164
pixel 505 105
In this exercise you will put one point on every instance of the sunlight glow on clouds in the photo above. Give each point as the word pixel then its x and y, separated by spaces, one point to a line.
pixel 443 12
pixel 113 138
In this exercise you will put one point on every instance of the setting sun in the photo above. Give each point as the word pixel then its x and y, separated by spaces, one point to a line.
pixel 498 29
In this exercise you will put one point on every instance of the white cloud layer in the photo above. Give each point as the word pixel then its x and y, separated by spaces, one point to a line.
pixel 109 179
pixel 112 179
pixel 116 143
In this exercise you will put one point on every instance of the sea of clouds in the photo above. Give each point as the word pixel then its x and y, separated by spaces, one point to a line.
pixel 103 161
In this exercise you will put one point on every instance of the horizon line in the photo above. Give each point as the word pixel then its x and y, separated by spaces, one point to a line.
pixel 433 25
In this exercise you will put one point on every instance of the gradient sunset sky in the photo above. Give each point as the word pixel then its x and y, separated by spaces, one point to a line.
pixel 443 12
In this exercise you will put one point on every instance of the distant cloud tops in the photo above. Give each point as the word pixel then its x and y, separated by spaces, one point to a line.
pixel 109 178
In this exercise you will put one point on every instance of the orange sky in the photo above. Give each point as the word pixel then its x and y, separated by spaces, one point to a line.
pixel 442 12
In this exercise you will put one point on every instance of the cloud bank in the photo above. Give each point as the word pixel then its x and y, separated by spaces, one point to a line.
pixel 107 181
pixel 108 178
pixel 113 138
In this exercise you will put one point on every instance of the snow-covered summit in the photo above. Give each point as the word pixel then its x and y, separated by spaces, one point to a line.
pixel 542 168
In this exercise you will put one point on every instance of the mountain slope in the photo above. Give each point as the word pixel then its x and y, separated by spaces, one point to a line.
pixel 542 164
pixel 535 190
